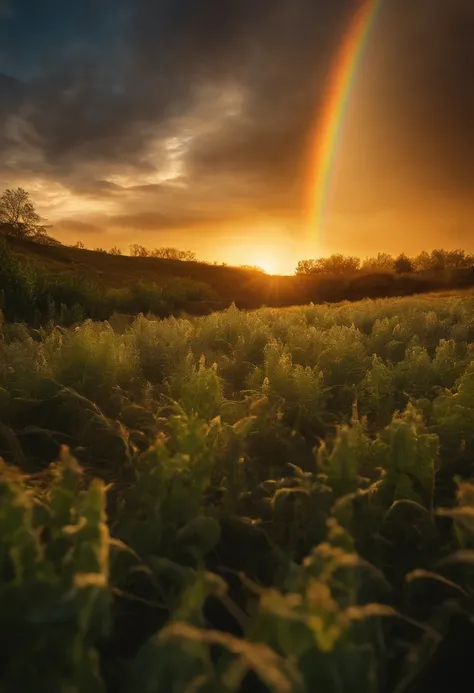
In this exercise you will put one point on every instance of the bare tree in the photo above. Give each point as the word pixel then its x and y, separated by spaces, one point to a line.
pixel 115 250
pixel 137 250
pixel 174 254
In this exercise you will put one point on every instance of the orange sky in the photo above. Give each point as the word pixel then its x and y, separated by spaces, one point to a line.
pixel 191 129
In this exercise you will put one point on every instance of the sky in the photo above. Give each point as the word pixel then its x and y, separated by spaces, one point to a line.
pixel 189 122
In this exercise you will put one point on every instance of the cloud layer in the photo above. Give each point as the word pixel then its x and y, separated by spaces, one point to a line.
pixel 155 116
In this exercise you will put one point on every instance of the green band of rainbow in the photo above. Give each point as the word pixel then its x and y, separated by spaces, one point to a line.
pixel 330 124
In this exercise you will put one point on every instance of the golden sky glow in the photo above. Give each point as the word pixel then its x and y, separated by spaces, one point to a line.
pixel 194 128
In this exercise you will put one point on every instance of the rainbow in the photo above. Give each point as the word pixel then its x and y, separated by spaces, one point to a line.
pixel 326 137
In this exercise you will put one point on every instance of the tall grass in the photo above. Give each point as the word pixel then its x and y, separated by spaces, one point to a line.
pixel 288 492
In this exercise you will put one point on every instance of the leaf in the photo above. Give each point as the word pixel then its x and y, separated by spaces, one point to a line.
pixel 274 672
pixel 297 471
pixel 465 556
pixel 405 504
pixel 244 426
pixel 463 515
pixel 13 444
pixel 360 613
pixel 428 575
pixel 202 533
pixel 82 580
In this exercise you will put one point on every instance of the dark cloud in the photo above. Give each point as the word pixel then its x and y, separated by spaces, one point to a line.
pixel 150 221
pixel 103 105
pixel 81 228
pixel 92 95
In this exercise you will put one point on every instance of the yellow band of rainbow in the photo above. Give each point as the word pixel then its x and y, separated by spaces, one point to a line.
pixel 327 135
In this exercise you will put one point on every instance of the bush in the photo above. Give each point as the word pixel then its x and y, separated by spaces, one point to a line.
pixel 17 286
pixel 372 286
pixel 66 290
pixel 180 291
pixel 119 300
pixel 148 298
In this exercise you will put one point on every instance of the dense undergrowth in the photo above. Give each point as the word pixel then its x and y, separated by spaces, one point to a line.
pixel 271 501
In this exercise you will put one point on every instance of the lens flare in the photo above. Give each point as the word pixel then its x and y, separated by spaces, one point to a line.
pixel 326 137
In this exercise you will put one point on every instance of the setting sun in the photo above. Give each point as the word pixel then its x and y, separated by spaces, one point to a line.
pixel 268 264
pixel 263 246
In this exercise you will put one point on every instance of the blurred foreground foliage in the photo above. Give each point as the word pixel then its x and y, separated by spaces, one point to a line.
pixel 279 501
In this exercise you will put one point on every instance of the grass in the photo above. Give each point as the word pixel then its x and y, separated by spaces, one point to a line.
pixel 276 500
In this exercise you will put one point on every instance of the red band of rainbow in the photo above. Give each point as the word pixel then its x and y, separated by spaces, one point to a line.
pixel 328 131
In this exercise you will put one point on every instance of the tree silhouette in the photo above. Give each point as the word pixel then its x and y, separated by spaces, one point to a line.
pixel 174 254
pixel 18 216
pixel 403 264
pixel 253 268
pixel 382 261
pixel 335 264
pixel 137 250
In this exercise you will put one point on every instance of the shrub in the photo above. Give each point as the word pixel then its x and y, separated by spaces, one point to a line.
pixel 17 286
pixel 68 290
pixel 179 291
pixel 148 298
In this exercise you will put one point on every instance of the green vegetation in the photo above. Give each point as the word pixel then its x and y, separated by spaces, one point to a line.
pixel 30 294
pixel 194 287
pixel 68 284
pixel 274 501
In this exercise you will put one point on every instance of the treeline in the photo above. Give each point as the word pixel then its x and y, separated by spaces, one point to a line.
pixel 137 250
pixel 437 260
pixel 165 253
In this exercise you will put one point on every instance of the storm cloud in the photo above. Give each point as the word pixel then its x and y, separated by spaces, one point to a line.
pixel 159 115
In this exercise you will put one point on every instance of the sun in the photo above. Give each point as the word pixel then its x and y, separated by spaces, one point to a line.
pixel 267 263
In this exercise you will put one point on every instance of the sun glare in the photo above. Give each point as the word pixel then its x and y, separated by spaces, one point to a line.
pixel 268 264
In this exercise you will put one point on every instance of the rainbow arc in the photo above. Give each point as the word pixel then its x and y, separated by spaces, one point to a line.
pixel 327 135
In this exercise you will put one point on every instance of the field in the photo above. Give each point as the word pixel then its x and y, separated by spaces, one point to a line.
pixel 278 500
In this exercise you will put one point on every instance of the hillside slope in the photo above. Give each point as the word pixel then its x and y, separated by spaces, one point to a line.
pixel 247 288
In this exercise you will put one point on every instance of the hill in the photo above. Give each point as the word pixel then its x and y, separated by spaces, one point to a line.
pixel 245 287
